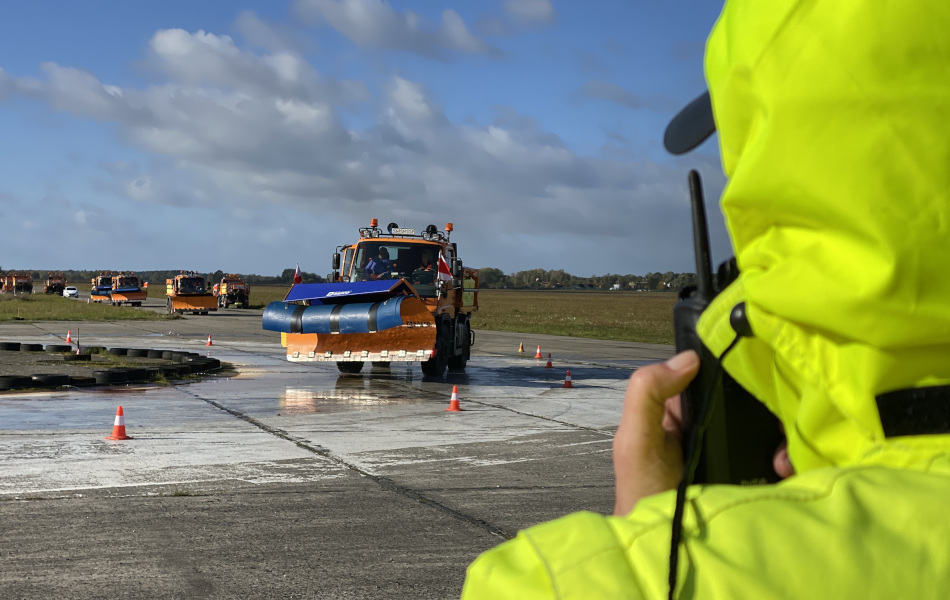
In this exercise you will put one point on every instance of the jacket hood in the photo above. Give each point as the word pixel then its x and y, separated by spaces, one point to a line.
pixel 832 121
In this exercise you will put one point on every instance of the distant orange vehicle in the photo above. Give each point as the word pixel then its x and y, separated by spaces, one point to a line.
pixel 187 292
pixel 127 289
pixel 17 282
pixel 55 284
pixel 100 287
pixel 399 297
pixel 232 290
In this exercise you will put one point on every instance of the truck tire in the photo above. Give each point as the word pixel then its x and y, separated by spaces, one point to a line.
pixel 435 366
pixel 458 362
pixel 350 367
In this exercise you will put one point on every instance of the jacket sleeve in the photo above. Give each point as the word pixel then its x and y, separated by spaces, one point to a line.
pixel 577 557
pixel 512 570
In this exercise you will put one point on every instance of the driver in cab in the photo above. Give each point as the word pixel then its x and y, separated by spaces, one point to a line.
pixel 379 266
pixel 425 274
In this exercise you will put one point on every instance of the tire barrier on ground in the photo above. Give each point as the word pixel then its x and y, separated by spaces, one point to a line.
pixel 181 364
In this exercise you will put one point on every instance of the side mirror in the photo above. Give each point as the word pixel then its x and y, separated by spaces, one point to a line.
pixel 456 273
pixel 336 261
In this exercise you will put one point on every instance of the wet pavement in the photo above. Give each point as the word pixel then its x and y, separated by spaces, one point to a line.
pixel 294 460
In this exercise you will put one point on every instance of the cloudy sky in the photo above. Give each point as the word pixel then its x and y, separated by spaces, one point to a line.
pixel 250 135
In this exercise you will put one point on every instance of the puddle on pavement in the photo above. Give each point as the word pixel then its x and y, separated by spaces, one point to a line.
pixel 348 394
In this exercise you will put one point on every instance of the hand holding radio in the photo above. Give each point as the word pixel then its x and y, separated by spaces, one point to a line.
pixel 647 452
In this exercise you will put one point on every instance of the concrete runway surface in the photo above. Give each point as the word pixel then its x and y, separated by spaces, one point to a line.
pixel 293 481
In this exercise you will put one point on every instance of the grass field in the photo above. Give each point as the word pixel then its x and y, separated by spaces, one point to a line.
pixel 43 307
pixel 626 316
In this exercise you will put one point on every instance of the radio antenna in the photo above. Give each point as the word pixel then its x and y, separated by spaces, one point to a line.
pixel 700 238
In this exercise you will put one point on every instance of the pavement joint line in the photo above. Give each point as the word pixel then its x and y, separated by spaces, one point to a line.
pixel 384 483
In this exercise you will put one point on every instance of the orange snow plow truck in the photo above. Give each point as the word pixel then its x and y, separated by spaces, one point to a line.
pixel 55 284
pixel 127 289
pixel 397 296
pixel 187 292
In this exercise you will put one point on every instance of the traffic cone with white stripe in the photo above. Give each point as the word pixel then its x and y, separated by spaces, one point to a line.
pixel 549 365
pixel 454 403
pixel 538 354
pixel 69 337
pixel 521 348
pixel 209 341
pixel 567 381
pixel 118 430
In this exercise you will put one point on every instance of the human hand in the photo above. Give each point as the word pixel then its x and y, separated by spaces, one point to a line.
pixel 648 455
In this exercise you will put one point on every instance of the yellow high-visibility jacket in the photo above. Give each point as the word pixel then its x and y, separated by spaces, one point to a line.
pixel 834 131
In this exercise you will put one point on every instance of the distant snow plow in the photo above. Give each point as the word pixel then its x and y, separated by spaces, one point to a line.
pixel 127 289
pixel 393 310
pixel 186 292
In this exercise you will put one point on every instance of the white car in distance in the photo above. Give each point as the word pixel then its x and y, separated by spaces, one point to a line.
pixel 70 292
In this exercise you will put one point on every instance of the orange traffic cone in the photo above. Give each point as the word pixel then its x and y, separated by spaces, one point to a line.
pixel 118 430
pixel 567 381
pixel 209 341
pixel 69 337
pixel 538 353
pixel 521 348
pixel 549 365
pixel 454 404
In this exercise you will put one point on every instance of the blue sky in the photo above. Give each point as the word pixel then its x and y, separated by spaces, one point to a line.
pixel 250 136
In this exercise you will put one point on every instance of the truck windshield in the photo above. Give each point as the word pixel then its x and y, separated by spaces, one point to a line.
pixel 191 285
pixel 414 261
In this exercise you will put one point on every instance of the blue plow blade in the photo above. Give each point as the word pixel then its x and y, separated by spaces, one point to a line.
pixel 357 317
pixel 326 293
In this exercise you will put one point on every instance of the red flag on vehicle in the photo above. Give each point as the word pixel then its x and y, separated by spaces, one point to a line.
pixel 445 274
pixel 297 277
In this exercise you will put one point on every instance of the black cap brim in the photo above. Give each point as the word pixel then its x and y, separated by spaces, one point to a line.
pixel 691 126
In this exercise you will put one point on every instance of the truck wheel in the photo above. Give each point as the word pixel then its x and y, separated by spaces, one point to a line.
pixel 350 367
pixel 457 363
pixel 435 366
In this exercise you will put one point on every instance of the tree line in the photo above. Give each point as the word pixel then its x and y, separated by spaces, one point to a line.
pixel 669 281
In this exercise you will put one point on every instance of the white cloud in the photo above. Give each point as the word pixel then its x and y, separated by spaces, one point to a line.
pixel 531 11
pixel 242 138
pixel 375 24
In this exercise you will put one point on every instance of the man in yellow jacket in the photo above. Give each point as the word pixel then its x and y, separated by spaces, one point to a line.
pixel 833 122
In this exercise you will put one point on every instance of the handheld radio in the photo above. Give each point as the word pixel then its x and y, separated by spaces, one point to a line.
pixel 736 434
